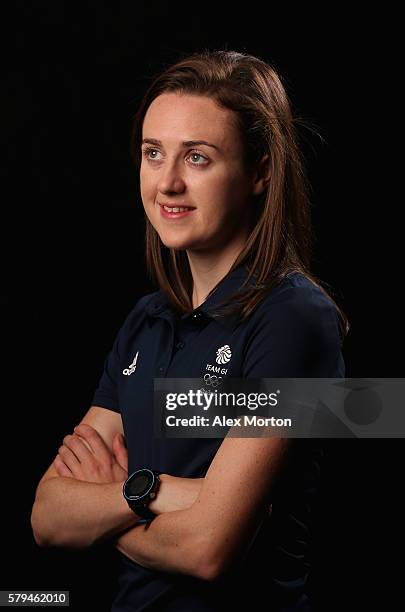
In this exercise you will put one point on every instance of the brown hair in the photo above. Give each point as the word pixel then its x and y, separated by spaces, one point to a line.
pixel 280 240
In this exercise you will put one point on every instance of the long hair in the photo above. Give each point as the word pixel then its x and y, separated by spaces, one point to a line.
pixel 280 240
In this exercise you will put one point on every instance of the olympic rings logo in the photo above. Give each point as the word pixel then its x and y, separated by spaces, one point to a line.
pixel 211 380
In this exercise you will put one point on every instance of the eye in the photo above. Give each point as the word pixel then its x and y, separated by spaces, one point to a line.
pixel 197 158
pixel 194 154
pixel 148 151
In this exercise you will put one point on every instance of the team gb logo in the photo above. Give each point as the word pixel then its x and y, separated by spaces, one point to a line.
pixel 224 354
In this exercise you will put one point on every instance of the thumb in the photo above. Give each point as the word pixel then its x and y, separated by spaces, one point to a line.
pixel 120 451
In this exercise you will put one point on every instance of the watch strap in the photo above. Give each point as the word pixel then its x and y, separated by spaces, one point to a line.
pixel 143 511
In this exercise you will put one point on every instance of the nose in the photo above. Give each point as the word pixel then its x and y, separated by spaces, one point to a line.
pixel 170 179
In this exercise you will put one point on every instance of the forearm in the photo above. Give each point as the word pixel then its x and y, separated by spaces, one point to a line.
pixel 169 543
pixel 180 541
pixel 175 493
pixel 72 513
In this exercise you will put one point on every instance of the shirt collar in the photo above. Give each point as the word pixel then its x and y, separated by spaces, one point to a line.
pixel 229 285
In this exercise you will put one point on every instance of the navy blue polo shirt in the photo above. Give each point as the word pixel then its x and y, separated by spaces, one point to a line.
pixel 294 332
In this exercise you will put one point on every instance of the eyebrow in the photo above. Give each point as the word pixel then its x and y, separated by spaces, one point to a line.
pixel 185 143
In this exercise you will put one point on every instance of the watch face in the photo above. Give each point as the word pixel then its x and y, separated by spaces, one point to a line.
pixel 139 484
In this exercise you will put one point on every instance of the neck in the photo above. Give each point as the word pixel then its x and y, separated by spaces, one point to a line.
pixel 208 269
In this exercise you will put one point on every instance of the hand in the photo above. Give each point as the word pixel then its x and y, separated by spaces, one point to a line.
pixel 85 456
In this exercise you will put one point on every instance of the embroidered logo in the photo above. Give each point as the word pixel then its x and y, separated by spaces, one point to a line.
pixel 224 354
pixel 132 367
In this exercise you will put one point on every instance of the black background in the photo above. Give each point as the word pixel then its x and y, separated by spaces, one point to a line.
pixel 72 250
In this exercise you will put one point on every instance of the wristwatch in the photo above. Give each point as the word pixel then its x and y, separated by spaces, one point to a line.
pixel 139 489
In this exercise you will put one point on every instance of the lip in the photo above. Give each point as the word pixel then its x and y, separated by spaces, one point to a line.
pixel 177 215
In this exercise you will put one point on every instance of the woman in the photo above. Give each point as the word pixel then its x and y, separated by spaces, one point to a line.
pixel 228 243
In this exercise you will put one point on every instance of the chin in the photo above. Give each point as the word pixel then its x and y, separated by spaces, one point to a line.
pixel 174 240
pixel 176 244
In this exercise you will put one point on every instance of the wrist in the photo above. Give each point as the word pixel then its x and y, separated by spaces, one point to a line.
pixel 159 504
pixel 126 514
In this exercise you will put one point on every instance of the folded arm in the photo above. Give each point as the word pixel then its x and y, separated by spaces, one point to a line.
pixel 66 510
pixel 202 525
pixel 79 499
pixel 205 539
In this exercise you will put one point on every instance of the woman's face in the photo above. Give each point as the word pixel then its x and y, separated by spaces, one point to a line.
pixel 209 178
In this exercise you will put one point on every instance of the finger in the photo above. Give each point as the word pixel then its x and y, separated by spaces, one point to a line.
pixel 120 441
pixel 77 446
pixel 120 451
pixel 86 444
pixel 61 468
pixel 96 442
pixel 69 458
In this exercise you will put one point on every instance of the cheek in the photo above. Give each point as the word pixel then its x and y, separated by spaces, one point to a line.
pixel 223 195
pixel 210 187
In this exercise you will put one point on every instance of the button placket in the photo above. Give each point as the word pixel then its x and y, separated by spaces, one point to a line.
pixel 165 360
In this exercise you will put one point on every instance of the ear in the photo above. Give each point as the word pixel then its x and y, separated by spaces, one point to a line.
pixel 261 176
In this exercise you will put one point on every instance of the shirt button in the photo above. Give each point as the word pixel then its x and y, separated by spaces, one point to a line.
pixel 197 316
pixel 161 369
pixel 180 345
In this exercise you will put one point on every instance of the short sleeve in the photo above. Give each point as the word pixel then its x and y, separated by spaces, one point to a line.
pixel 106 394
pixel 296 336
